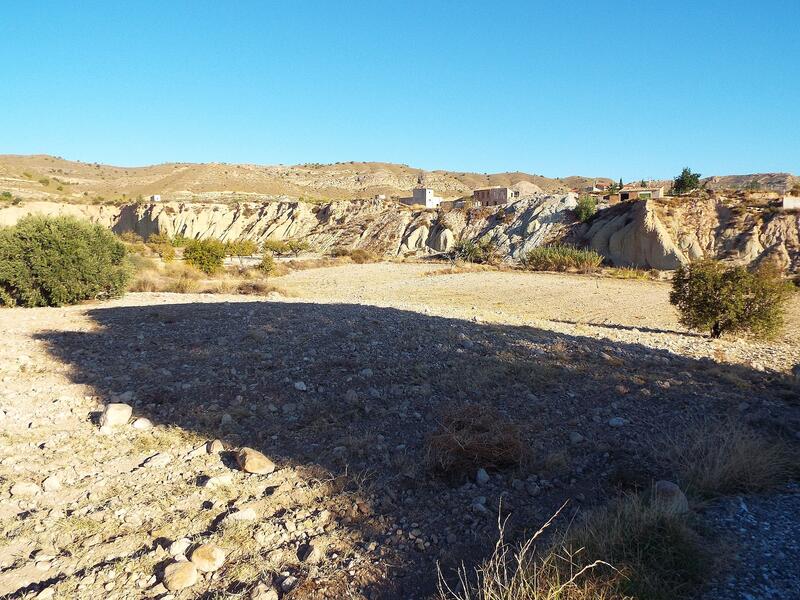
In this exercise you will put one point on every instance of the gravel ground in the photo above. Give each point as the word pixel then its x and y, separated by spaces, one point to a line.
pixel 763 533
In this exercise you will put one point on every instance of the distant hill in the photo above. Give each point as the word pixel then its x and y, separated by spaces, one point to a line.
pixel 50 178
pixel 43 177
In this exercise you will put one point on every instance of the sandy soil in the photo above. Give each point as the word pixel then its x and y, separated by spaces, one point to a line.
pixel 341 385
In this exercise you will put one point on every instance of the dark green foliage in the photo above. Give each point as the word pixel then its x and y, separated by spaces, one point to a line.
pixel 482 251
pixel 561 257
pixel 206 255
pixel 686 181
pixel 51 261
pixel 587 207
pixel 719 299
pixel 267 264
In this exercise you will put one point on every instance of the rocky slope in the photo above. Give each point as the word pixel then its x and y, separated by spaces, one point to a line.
pixel 660 234
pixel 666 234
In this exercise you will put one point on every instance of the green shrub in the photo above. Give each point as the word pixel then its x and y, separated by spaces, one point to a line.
pixel 241 248
pixel 561 257
pixel 685 182
pixel 720 299
pixel 206 255
pixel 267 264
pixel 51 261
pixel 482 251
pixel 296 247
pixel 587 207
pixel 278 247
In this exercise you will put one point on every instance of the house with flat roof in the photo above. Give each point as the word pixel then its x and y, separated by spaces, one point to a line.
pixel 790 202
pixel 636 193
pixel 422 197
pixel 496 196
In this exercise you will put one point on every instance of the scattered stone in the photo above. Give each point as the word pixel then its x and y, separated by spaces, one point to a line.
pixel 208 557
pixel 51 484
pixel 670 497
pixel 616 421
pixel 366 373
pixel 25 489
pixel 246 514
pixel 308 553
pixel 162 459
pixel 575 437
pixel 142 424
pixel 482 477
pixel 218 481
pixel 180 575
pixel 115 414
pixel 263 592
pixel 300 386
pixel 252 461
pixel 179 547
pixel 226 420
pixel 288 583
pixel 214 447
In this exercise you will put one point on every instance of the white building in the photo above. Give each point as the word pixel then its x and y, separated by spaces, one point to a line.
pixel 155 198
pixel 423 197
pixel 791 202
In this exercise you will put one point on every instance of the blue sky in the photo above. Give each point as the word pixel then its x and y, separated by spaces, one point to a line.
pixel 620 89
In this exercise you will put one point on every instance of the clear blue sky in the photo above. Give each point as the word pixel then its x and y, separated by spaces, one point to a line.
pixel 623 89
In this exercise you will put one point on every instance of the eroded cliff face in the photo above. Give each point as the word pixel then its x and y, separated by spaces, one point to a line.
pixel 665 234
pixel 658 234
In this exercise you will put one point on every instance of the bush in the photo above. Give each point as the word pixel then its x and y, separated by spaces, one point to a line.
pixel 206 255
pixel 481 251
pixel 161 245
pixel 339 251
pixel 296 247
pixel 587 207
pixel 718 299
pixel 560 257
pixel 51 261
pixel 241 248
pixel 278 247
pixel 361 257
pixel 267 264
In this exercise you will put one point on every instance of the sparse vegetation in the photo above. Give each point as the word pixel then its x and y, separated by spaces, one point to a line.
pixel 712 297
pixel 560 257
pixel 482 251
pixel 279 247
pixel 267 264
pixel 471 436
pixel 51 261
pixel 361 256
pixel 720 458
pixel 586 209
pixel 241 248
pixel 206 255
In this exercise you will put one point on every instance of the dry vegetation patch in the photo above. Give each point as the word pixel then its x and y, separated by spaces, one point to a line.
pixel 473 436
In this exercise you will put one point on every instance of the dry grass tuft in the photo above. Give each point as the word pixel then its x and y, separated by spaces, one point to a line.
pixel 473 436
pixel 522 573
pixel 258 288
pixel 656 553
pixel 716 459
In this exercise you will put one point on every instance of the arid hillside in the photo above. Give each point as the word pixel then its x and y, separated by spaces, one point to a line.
pixel 43 177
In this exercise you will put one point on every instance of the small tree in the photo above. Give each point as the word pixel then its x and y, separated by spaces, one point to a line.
pixel 267 264
pixel 719 299
pixel 482 251
pixel 686 181
pixel 278 247
pixel 206 255
pixel 587 207
pixel 296 247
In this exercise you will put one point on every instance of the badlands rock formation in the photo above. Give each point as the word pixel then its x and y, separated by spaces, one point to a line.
pixel 657 234
pixel 664 235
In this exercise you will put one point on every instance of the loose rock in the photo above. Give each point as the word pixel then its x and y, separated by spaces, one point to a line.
pixel 252 461
pixel 180 575
pixel 115 414
pixel 208 557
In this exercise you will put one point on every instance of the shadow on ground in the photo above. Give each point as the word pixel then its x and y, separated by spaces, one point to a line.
pixel 355 390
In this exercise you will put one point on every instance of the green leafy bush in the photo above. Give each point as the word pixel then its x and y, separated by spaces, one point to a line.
pixel 267 264
pixel 587 207
pixel 686 181
pixel 296 247
pixel 561 257
pixel 278 247
pixel 206 255
pixel 720 299
pixel 241 248
pixel 162 245
pixel 51 261
pixel 481 251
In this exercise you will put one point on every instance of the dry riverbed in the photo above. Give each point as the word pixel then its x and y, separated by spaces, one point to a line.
pixel 340 383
